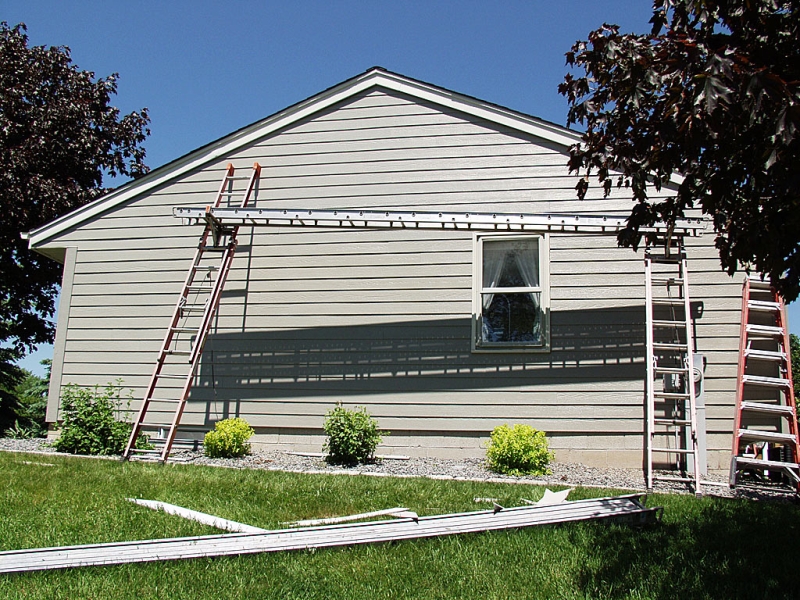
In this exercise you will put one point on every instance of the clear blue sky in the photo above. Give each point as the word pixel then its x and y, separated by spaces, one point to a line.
pixel 205 69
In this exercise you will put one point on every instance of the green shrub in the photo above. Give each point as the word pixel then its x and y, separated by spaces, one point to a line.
pixel 353 436
pixel 519 450
pixel 90 421
pixel 229 439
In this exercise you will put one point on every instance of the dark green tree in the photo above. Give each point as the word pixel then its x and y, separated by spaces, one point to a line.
pixel 710 98
pixel 10 407
pixel 59 136
pixel 25 402
pixel 31 393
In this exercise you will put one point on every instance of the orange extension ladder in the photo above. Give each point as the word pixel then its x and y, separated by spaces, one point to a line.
pixel 165 397
pixel 765 437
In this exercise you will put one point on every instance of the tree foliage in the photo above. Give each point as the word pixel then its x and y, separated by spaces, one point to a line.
pixel 10 377
pixel 58 137
pixel 23 400
pixel 711 96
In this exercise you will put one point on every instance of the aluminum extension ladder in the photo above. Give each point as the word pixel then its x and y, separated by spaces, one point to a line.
pixel 671 403
pixel 765 437
pixel 165 397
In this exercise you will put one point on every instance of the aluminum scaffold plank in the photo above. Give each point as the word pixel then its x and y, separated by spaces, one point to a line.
pixel 259 217
pixel 629 509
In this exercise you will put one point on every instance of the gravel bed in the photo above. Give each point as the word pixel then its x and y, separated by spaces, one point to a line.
pixel 564 474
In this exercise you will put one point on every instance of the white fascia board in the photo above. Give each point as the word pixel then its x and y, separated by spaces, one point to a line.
pixel 496 114
pixel 229 144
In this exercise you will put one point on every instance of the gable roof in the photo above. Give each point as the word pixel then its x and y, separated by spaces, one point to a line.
pixel 375 77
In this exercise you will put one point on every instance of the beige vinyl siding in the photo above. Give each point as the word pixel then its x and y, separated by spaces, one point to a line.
pixel 382 318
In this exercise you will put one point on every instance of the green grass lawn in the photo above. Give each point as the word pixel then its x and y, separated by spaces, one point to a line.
pixel 707 548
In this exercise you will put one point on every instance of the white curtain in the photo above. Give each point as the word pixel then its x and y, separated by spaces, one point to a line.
pixel 494 259
pixel 527 258
pixel 528 263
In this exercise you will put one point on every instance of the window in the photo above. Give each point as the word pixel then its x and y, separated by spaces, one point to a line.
pixel 511 293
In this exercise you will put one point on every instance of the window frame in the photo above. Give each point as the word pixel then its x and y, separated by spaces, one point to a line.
pixel 543 289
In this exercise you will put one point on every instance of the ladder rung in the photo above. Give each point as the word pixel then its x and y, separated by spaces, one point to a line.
pixel 765 330
pixel 236 178
pixel 742 461
pixel 170 376
pixel 205 268
pixel 215 248
pixel 673 450
pixel 662 323
pixel 671 395
pixel 141 451
pixel 667 280
pixel 669 301
pixel 763 305
pixel 664 346
pixel 666 260
pixel 766 381
pixel 199 288
pixel 184 330
pixel 179 352
pixel 179 441
pixel 674 478
pixel 778 409
pixel 765 355
pixel 682 422
pixel 677 370
pixel 767 436
pixel 756 282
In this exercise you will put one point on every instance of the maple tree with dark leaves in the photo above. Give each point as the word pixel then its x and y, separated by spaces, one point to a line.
pixel 709 100
pixel 58 137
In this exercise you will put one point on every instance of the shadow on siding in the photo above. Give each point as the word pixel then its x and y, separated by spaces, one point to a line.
pixel 587 347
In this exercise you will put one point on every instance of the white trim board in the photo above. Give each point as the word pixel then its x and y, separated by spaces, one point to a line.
pixel 199 517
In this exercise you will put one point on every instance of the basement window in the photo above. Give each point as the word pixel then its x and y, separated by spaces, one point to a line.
pixel 511 293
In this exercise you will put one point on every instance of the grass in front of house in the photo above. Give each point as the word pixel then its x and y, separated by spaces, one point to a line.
pixel 707 548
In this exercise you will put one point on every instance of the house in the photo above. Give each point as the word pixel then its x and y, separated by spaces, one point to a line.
pixel 401 321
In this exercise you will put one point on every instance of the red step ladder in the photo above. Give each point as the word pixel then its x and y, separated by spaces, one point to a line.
pixel 166 395
pixel 765 437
